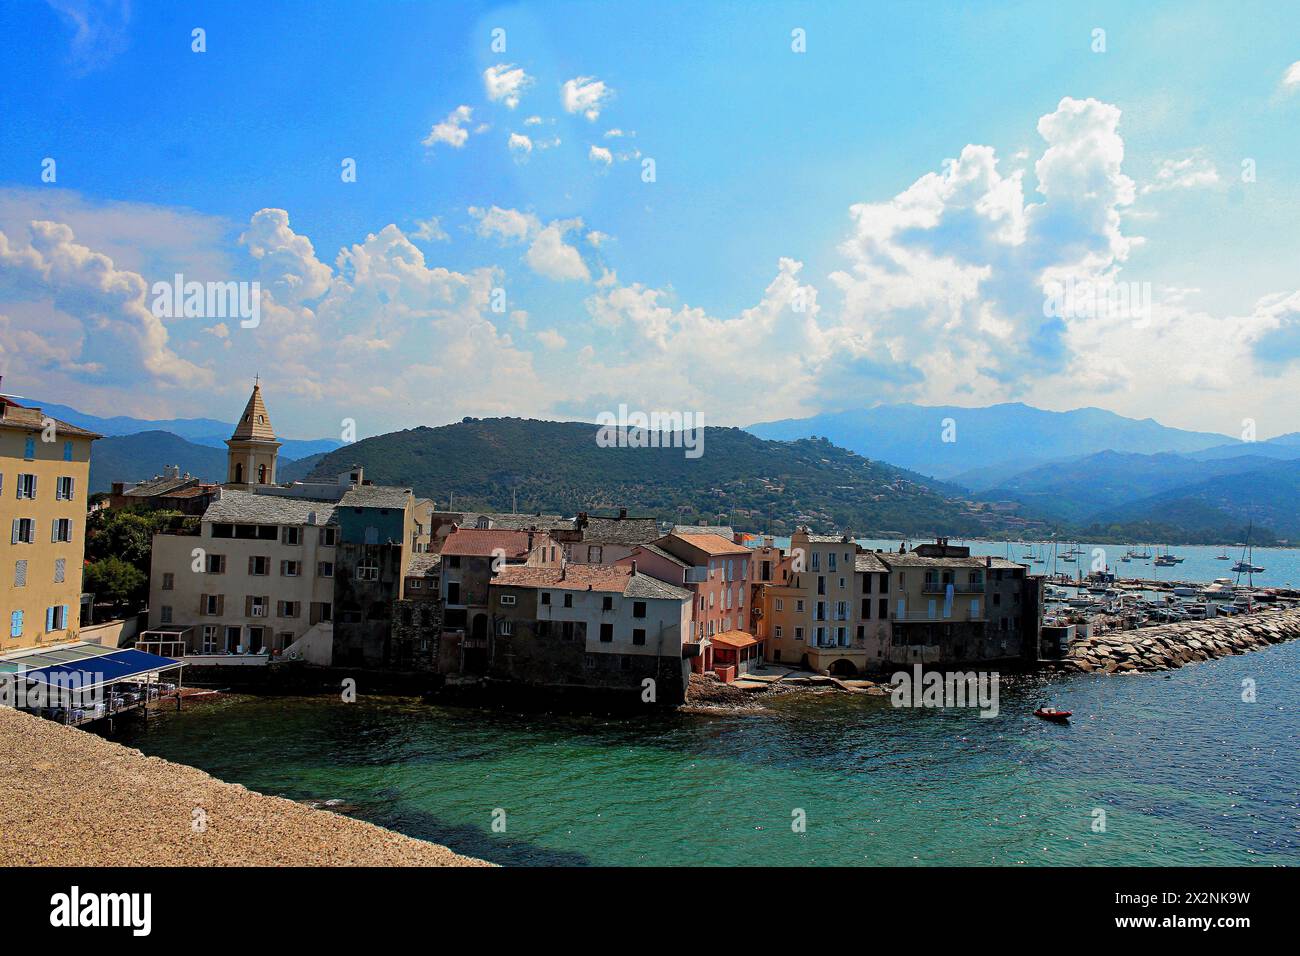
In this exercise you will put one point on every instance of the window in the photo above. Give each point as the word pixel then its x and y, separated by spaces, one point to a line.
pixel 507 600
pixel 216 564
pixel 866 608
pixel 24 531
pixel 288 608
pixel 607 603
pixel 816 561
pixel 16 624
pixel 259 564
pixel 975 607
pixel 166 614
pixel 638 636
pixel 67 451
pixel 291 535
pixel 325 569
pixel 211 605
pixel 29 449
pixel 255 605
pixel 169 581
pixel 454 561
pixel 505 627
pixel 798 606
pixel 20 574
pixel 606 633
pixel 882 609
pixel 56 618
pixel 26 486
pixel 780 604
pixel 546 597
pixel 290 569
pixel 779 631
pixel 830 562
pixel 638 609
pixel 568 600
pixel 209 638
pixel 798 633
pixel 328 537
pixel 62 530
pixel 367 572
pixel 594 554
pixel 63 489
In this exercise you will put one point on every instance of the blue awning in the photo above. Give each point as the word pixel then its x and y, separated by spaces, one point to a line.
pixel 101 669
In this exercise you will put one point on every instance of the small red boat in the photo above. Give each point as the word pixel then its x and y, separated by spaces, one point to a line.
pixel 1051 713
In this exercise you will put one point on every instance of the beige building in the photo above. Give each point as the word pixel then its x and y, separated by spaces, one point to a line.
pixel 44 474
pixel 811 609
pixel 258 576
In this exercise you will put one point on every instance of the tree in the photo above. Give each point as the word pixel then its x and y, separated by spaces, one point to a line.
pixel 113 580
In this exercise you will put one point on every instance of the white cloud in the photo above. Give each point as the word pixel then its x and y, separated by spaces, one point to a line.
pixel 533 121
pixel 451 130
pixel 430 230
pixel 507 225
pixel 108 306
pixel 586 95
pixel 520 145
pixel 505 83
pixel 551 340
pixel 287 261
pixel 1190 172
pixel 551 256
pixel 599 154
pixel 1291 78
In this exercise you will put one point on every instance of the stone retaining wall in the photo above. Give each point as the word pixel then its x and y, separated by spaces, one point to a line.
pixel 1173 645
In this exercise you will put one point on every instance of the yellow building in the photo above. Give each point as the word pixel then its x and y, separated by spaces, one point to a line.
pixel 44 475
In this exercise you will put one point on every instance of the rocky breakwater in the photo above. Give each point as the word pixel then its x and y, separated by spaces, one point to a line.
pixel 1173 645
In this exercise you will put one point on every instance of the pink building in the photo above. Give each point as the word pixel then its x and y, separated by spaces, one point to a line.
pixel 717 573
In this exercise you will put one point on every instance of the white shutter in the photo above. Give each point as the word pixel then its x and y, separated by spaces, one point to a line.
pixel 14 540
pixel 20 574
pixel 60 566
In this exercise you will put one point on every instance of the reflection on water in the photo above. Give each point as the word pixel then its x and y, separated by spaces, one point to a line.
pixel 1185 771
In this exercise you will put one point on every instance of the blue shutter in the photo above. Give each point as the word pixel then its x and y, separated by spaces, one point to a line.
pixel 65 617
pixel 29 448
pixel 16 624
pixel 49 619
pixel 67 451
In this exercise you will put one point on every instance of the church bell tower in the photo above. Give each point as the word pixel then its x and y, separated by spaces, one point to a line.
pixel 253 448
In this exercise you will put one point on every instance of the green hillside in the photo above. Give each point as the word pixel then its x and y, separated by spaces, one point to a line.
pixel 739 478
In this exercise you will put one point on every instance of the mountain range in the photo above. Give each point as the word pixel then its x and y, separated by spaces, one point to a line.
pixel 200 431
pixel 948 441
pixel 1179 487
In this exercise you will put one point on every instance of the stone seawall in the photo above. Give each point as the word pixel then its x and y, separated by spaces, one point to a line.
pixel 1173 645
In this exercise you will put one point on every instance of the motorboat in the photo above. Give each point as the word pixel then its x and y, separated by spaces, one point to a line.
pixel 1054 715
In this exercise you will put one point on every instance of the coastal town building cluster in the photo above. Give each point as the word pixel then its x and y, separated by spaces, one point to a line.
pixel 347 573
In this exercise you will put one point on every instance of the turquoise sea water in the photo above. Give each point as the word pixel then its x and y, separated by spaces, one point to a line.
pixel 1186 772
pixel 1200 562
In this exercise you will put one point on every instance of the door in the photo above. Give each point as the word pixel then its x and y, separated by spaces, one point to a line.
pixel 233 635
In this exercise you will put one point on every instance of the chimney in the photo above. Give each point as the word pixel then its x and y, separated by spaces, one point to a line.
pixel 988 561
pixel 634 566
pixel 622 513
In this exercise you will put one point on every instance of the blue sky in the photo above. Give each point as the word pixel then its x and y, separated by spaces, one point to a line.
pixel 802 247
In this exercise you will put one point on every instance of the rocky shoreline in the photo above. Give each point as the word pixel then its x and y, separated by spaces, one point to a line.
pixel 1169 646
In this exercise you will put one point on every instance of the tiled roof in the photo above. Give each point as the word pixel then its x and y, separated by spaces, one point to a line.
pixel 482 543
pixel 737 639
pixel 523 522
pixel 572 577
pixel 425 562
pixel 655 549
pixel 161 486
pixel 712 544
pixel 722 530
pixel 590 577
pixel 33 419
pixel 244 507
pixel 868 563
pixel 375 496
pixel 645 586
pixel 620 530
